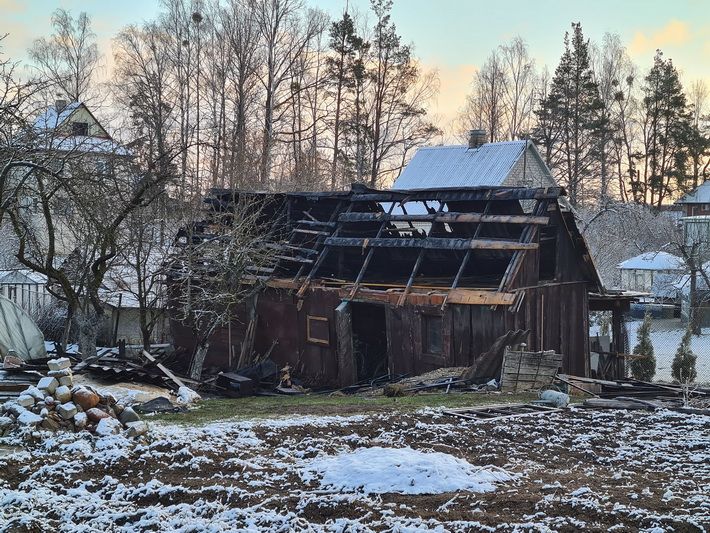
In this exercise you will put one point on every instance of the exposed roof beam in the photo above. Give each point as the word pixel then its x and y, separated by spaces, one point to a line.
pixel 430 243
pixel 449 217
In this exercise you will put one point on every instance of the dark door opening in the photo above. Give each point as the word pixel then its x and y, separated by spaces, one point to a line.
pixel 369 340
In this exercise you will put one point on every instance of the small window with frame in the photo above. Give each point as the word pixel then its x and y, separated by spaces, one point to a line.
pixel 318 330
pixel 432 334
pixel 80 128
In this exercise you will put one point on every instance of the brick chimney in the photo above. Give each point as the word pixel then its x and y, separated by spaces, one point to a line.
pixel 476 138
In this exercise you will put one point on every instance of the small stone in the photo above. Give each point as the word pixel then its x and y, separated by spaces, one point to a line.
pixel 59 364
pixel 128 415
pixel 118 408
pixel 48 384
pixel 44 412
pixel 5 422
pixel 62 394
pixel 25 400
pixel 66 381
pixel 66 410
pixel 85 398
pixel 110 399
pixel 108 426
pixel 95 415
pixel 59 373
pixel 49 400
pixel 135 429
pixel 80 421
pixel 28 418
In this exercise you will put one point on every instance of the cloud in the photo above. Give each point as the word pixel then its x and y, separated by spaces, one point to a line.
pixel 674 33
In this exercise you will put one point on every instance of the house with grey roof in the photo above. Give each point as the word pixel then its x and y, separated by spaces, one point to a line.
pixel 696 202
pixel 476 164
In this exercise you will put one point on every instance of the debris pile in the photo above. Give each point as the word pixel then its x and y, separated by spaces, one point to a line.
pixel 56 404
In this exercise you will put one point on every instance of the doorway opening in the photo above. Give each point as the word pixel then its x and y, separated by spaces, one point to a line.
pixel 369 340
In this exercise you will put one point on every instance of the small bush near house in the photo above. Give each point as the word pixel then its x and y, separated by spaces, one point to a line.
pixel 683 367
pixel 644 368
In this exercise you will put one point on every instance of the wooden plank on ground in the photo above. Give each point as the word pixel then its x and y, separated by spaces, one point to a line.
pixel 172 377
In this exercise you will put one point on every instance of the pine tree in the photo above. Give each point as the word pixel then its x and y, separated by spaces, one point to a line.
pixel 644 368
pixel 666 123
pixel 683 367
pixel 572 116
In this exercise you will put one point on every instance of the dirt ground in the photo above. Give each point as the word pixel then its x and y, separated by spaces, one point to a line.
pixel 573 470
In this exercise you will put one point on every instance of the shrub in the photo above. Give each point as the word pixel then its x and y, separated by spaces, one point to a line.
pixel 683 367
pixel 644 368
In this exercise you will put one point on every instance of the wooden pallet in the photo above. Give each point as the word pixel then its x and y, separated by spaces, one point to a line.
pixel 528 370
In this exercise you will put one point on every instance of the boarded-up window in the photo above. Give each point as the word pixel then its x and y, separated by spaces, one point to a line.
pixel 318 330
pixel 433 342
pixel 80 128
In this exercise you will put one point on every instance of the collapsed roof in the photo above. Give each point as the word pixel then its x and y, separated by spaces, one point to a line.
pixel 467 245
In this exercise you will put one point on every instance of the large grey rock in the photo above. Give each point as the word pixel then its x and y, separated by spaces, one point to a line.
pixel 59 364
pixel 25 400
pixel 80 421
pixel 48 384
pixel 62 394
pixel 35 393
pixel 128 415
pixel 66 410
pixel 28 418
pixel 66 381
pixel 108 426
pixel 134 429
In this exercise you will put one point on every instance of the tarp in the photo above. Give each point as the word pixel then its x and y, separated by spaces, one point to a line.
pixel 18 332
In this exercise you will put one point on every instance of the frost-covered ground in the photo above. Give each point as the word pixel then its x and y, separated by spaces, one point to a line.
pixel 568 471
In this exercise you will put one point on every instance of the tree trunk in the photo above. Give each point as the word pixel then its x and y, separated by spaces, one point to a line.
pixel 198 359
pixel 87 324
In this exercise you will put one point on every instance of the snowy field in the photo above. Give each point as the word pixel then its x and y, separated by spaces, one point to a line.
pixel 424 471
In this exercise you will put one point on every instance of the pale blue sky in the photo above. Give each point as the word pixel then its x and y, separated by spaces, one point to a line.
pixel 453 36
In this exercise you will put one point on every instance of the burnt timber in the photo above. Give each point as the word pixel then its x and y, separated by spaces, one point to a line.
pixel 368 282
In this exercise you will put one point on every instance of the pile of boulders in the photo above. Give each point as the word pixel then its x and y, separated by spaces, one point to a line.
pixel 56 404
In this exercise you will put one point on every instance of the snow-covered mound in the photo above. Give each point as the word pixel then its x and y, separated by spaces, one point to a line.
pixel 402 470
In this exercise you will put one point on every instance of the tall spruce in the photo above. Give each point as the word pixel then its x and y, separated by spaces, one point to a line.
pixel 666 123
pixel 343 76
pixel 683 367
pixel 644 366
pixel 572 115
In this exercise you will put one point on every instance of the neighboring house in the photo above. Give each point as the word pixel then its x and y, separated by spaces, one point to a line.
pixel 478 164
pixel 26 288
pixel 702 295
pixel 656 273
pixel 69 134
pixel 697 202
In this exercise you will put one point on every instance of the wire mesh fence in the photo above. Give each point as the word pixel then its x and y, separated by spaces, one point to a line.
pixel 665 337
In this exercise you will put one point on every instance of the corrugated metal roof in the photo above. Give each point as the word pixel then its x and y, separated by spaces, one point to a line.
pixel 460 166
pixel 701 195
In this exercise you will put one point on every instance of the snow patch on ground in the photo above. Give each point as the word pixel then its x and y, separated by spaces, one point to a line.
pixel 403 470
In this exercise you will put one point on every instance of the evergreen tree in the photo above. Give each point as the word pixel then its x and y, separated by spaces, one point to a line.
pixel 666 127
pixel 573 119
pixel 644 368
pixel 683 367
pixel 342 77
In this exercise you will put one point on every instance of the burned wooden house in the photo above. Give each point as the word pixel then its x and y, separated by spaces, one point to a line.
pixel 368 282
